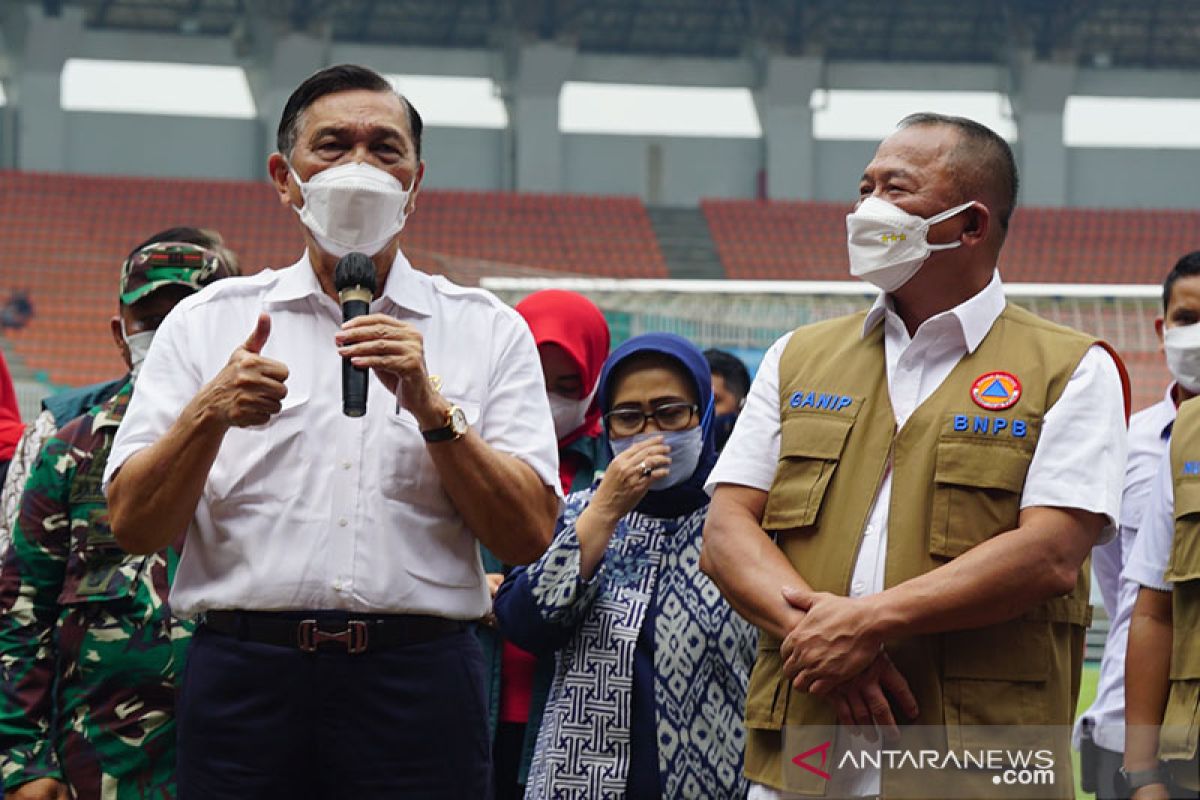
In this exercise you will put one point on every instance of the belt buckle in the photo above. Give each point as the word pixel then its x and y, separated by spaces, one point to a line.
pixel 309 636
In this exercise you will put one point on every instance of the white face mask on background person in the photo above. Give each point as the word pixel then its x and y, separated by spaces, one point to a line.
pixel 686 447
pixel 1182 345
pixel 568 412
pixel 139 346
pixel 353 208
pixel 887 245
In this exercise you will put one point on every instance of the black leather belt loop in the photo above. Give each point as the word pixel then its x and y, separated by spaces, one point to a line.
pixel 349 633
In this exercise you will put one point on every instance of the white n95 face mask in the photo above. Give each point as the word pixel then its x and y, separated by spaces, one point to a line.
pixel 139 346
pixel 887 245
pixel 569 413
pixel 1182 344
pixel 353 208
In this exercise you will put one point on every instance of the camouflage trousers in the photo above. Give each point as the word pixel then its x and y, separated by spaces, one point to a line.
pixel 116 702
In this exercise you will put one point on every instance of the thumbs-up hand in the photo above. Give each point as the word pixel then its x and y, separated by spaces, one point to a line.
pixel 250 389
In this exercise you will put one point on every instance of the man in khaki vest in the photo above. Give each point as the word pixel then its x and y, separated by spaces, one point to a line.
pixel 908 499
pixel 1162 668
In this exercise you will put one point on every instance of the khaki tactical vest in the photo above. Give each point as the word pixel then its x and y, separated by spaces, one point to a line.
pixel 958 470
pixel 1181 722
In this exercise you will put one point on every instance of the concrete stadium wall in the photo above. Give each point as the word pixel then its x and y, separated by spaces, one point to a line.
pixel 164 147
pixel 463 158
pixel 661 170
pixel 670 171
pixel 1120 178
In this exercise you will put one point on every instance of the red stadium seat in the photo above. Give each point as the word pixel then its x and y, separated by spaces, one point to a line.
pixel 806 241
pixel 62 237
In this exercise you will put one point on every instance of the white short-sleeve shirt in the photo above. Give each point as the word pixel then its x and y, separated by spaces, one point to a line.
pixel 317 510
pixel 1079 461
pixel 1149 438
pixel 1151 553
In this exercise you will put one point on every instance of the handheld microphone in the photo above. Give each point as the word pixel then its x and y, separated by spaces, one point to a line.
pixel 354 279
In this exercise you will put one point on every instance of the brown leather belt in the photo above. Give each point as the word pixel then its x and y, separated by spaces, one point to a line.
pixel 351 633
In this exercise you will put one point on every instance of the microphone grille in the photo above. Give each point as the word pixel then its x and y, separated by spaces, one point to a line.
pixel 354 269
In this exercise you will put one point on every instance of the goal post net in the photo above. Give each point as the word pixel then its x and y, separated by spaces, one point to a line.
pixel 745 317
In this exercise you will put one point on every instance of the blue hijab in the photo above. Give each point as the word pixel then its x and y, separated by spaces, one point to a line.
pixel 686 497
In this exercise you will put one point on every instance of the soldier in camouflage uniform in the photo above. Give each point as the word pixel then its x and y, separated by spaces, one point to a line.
pixel 89 651
pixel 65 406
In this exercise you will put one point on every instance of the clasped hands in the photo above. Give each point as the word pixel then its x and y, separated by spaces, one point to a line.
pixel 835 652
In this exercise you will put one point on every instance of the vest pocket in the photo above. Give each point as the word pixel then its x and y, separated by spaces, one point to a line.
pixel 810 446
pixel 767 694
pixel 996 675
pixel 1184 564
pixel 976 493
pixel 1179 738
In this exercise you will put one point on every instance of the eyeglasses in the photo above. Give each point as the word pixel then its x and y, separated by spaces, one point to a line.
pixel 668 417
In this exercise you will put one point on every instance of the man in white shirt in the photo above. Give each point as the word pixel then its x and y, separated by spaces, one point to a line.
pixel 333 561
pixel 928 229
pixel 1151 650
pixel 1100 731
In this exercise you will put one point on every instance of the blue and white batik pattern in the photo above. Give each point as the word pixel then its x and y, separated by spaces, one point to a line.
pixel 703 652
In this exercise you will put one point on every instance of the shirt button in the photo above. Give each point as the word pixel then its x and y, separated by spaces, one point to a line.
pixel 343 522
pixel 858 587
pixel 338 586
pixel 346 465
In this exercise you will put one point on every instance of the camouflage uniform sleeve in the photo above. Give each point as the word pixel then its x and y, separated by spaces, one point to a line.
pixel 28 447
pixel 31 580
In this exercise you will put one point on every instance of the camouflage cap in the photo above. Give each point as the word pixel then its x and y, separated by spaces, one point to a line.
pixel 171 264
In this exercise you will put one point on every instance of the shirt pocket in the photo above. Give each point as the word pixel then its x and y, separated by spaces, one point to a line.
pixel 252 461
pixel 976 493
pixel 98 570
pixel 810 446
pixel 408 473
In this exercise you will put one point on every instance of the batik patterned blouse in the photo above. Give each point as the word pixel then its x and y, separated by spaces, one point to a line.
pixel 702 655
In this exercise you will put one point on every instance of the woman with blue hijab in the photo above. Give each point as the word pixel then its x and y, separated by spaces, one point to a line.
pixel 652 663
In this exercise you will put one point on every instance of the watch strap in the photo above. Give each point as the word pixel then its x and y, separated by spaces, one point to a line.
pixel 442 434
pixel 449 431
pixel 1143 777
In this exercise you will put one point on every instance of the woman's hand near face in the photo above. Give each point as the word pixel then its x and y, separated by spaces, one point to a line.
pixel 628 477
pixel 625 482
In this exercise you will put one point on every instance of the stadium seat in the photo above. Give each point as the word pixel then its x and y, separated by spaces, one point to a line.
pixel 63 237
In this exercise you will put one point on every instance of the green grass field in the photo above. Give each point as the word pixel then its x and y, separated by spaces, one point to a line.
pixel 1087 693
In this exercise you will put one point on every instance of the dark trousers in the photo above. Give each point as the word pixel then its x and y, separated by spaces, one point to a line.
pixel 265 721
pixel 1102 768
pixel 506 759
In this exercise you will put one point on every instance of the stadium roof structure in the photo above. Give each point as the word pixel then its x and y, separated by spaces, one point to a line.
pixel 1095 33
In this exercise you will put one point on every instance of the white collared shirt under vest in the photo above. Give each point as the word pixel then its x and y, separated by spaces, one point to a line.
pixel 317 510
pixel 1151 553
pixel 1079 461
pixel 1149 438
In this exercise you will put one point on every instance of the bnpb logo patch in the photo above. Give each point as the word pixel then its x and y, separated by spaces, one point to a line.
pixel 996 391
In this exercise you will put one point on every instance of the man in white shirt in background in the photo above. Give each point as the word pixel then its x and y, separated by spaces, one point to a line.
pixel 333 561
pixel 1100 731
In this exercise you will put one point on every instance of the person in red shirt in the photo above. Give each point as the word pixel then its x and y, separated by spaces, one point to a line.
pixel 11 426
pixel 573 340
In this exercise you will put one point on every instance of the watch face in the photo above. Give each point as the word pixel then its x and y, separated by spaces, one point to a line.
pixel 458 421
